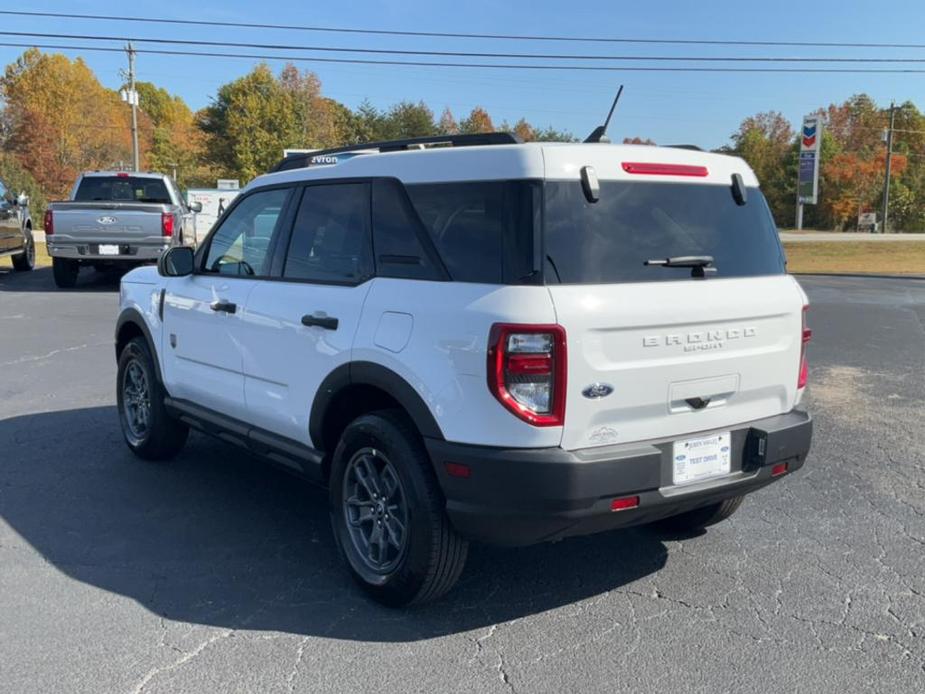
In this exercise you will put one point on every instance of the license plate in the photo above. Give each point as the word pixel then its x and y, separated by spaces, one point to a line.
pixel 702 458
pixel 106 249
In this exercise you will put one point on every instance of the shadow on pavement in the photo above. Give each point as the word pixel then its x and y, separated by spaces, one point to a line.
pixel 41 280
pixel 218 537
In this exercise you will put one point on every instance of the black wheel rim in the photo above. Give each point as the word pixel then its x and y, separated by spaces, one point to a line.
pixel 375 510
pixel 136 401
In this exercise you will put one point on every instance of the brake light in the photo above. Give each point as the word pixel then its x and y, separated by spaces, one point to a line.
pixel 49 224
pixel 527 371
pixel 647 169
pixel 121 174
pixel 806 336
pixel 166 224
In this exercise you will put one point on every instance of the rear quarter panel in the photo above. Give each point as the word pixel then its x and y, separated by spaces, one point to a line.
pixel 435 336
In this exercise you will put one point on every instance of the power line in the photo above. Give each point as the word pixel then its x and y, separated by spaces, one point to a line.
pixel 462 54
pixel 490 66
pixel 460 35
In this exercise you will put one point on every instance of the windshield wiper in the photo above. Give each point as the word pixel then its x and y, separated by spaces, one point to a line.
pixel 699 264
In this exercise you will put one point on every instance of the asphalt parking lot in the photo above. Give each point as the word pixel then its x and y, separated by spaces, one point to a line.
pixel 218 574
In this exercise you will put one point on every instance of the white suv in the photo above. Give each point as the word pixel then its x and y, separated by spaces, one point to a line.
pixel 485 340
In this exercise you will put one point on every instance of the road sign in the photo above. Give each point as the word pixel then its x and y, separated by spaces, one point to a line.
pixel 810 143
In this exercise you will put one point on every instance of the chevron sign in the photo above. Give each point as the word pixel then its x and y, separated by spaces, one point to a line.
pixel 809 136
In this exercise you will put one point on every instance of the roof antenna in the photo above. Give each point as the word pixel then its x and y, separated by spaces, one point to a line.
pixel 600 132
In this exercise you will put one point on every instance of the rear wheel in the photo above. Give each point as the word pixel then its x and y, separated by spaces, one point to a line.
pixel 147 427
pixel 25 261
pixel 699 518
pixel 65 272
pixel 387 513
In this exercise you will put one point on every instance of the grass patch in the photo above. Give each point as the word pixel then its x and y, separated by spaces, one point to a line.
pixel 42 259
pixel 857 257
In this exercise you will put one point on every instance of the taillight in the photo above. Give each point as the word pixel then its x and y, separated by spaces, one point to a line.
pixel 166 224
pixel 49 225
pixel 527 371
pixel 806 336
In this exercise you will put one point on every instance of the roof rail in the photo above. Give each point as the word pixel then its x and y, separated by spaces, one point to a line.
pixel 693 148
pixel 304 159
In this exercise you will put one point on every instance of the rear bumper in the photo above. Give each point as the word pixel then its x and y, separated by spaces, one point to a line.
pixel 524 496
pixel 128 252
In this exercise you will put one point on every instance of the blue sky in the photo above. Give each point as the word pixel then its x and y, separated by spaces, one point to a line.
pixel 700 108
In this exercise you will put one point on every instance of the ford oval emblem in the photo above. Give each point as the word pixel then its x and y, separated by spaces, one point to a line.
pixel 597 391
pixel 107 220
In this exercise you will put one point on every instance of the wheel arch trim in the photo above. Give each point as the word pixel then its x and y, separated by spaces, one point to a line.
pixel 377 376
pixel 133 316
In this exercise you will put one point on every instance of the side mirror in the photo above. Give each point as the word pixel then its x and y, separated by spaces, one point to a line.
pixel 176 262
pixel 22 200
pixel 195 206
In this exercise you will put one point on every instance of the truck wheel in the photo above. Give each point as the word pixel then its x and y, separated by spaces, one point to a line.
pixel 25 261
pixel 700 518
pixel 65 272
pixel 148 429
pixel 387 513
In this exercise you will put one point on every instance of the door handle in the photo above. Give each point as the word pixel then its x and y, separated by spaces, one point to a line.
pixel 326 322
pixel 224 306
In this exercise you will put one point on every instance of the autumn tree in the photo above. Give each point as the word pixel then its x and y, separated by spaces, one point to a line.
pixel 478 121
pixel 855 184
pixel 637 141
pixel 448 124
pixel 58 120
pixel 176 142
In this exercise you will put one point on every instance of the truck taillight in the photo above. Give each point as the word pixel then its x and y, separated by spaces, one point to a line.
pixel 49 224
pixel 166 224
pixel 527 367
pixel 806 336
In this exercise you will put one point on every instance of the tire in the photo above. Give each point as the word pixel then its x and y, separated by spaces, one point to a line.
pixel 423 556
pixel 65 272
pixel 25 261
pixel 700 518
pixel 150 432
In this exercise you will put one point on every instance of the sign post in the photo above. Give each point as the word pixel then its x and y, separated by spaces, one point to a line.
pixel 808 177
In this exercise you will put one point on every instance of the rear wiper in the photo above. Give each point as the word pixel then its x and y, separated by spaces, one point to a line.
pixel 699 264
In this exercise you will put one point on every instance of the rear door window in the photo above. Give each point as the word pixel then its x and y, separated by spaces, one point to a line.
pixel 122 189
pixel 609 241
pixel 330 240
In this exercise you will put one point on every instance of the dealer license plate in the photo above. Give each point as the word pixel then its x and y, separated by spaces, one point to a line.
pixel 702 458
pixel 106 249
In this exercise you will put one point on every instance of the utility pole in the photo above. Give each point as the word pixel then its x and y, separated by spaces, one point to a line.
pixel 133 100
pixel 889 161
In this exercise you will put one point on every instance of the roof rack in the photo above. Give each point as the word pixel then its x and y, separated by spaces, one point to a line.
pixel 693 148
pixel 304 159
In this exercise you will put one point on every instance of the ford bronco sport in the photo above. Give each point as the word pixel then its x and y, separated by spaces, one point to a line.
pixel 485 340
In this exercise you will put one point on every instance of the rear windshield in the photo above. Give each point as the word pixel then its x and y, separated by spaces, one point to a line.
pixel 610 240
pixel 122 189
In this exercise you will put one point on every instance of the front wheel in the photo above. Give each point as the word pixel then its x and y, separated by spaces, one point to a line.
pixel 387 513
pixel 147 427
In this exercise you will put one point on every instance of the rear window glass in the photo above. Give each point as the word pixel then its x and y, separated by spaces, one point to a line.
pixel 482 230
pixel 609 241
pixel 122 189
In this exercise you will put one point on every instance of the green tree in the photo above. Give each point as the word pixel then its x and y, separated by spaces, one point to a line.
pixel 407 119
pixel 249 124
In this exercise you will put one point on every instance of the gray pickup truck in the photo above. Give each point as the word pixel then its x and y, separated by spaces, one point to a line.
pixel 114 220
